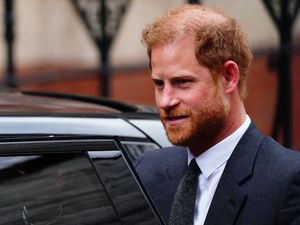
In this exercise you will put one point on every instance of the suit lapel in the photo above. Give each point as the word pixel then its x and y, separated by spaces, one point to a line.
pixel 230 195
pixel 227 202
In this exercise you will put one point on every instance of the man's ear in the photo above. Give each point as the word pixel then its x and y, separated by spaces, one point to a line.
pixel 231 76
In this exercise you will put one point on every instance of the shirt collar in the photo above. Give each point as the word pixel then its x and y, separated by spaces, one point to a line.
pixel 216 156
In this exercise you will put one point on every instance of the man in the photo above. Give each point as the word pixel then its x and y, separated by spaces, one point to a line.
pixel 199 59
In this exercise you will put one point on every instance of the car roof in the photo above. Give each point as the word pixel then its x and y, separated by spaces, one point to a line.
pixel 35 114
pixel 35 102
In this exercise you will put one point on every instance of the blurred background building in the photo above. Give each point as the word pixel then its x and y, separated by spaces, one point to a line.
pixel 61 46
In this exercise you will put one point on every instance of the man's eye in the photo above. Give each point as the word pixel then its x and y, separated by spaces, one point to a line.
pixel 159 84
pixel 182 83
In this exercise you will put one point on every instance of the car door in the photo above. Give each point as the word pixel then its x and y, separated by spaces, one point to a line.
pixel 70 181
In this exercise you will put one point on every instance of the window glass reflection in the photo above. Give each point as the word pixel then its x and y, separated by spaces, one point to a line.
pixel 52 189
pixel 136 149
pixel 129 201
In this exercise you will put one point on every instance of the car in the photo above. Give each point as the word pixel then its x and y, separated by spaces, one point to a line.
pixel 68 159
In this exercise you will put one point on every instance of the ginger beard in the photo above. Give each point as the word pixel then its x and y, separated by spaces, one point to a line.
pixel 203 123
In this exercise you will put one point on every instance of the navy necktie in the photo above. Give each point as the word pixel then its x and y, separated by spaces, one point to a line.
pixel 183 207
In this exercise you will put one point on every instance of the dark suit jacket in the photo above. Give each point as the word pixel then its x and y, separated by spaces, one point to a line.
pixel 260 184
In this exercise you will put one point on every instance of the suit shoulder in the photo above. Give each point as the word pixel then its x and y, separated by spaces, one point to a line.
pixel 279 156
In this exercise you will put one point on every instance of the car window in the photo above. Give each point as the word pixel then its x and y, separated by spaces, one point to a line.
pixel 52 189
pixel 134 148
pixel 61 188
pixel 129 201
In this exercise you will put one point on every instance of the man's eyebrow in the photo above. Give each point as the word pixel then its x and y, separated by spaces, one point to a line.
pixel 188 77
pixel 155 79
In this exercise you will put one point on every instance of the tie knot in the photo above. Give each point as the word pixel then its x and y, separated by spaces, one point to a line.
pixel 193 167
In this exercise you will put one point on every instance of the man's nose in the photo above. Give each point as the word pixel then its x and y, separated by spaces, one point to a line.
pixel 167 99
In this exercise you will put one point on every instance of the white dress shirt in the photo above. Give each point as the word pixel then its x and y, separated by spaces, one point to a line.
pixel 212 163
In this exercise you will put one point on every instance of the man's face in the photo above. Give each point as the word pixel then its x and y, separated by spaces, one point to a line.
pixel 192 106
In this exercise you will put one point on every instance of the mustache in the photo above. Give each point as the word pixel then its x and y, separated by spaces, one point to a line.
pixel 175 113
